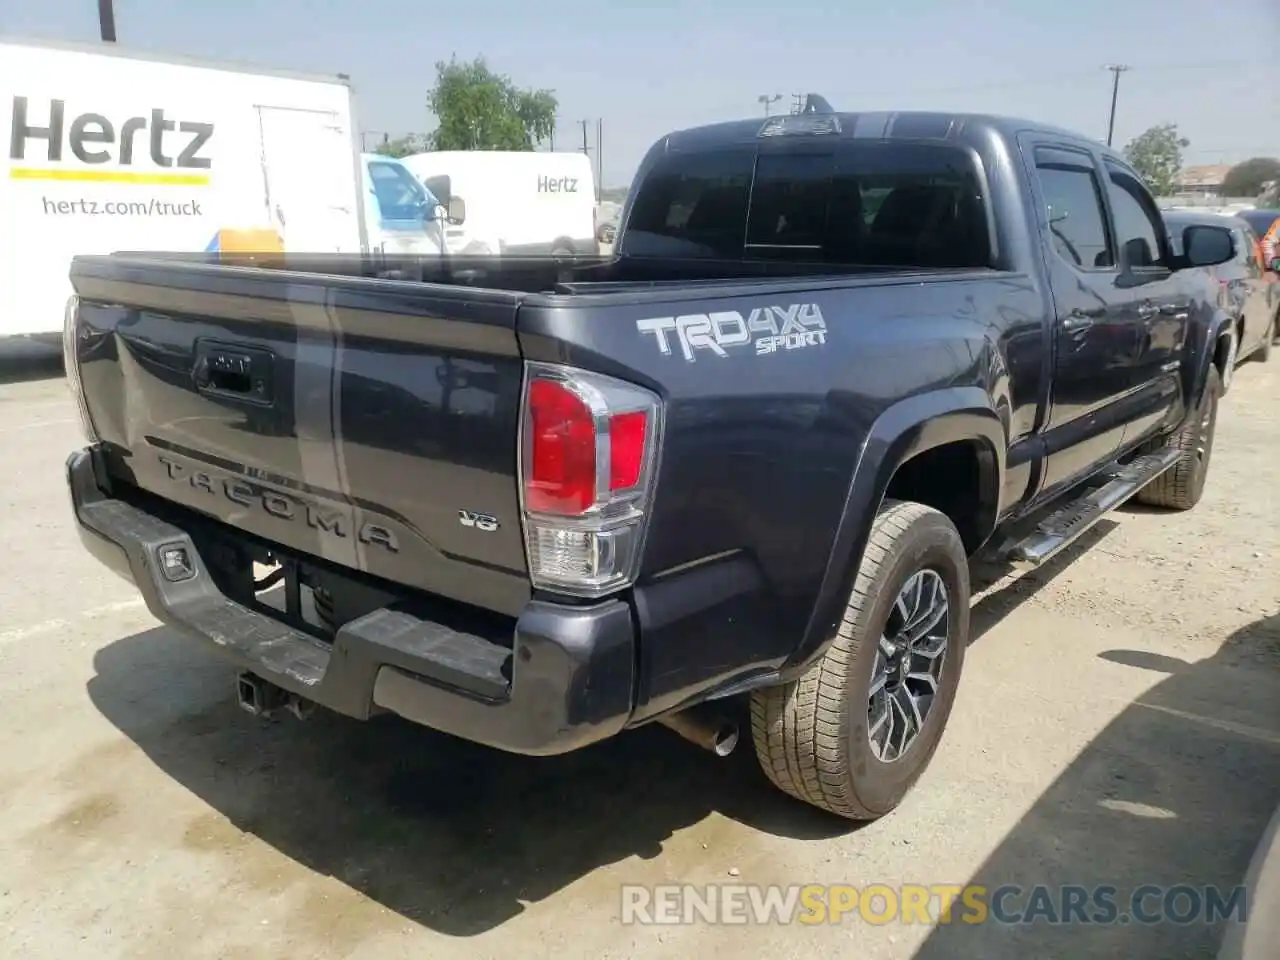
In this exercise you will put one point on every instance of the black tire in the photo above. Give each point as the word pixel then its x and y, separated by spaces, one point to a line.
pixel 1181 486
pixel 812 736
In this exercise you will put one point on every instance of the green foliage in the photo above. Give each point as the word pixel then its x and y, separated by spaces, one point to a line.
pixel 402 146
pixel 477 109
pixel 1157 155
pixel 1250 178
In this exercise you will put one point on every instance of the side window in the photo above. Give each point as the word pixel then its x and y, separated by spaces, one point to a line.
pixel 904 204
pixel 1137 229
pixel 400 197
pixel 692 205
pixel 1073 208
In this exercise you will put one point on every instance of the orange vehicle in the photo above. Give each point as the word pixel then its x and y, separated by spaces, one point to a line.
pixel 1266 224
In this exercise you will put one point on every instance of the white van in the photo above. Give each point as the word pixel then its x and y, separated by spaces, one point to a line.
pixel 517 202
pixel 110 150
pixel 401 216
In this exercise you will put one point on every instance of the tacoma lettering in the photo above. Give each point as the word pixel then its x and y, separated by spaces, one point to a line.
pixel 88 130
pixel 332 522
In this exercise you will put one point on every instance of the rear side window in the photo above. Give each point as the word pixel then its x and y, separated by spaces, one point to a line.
pixel 875 203
pixel 1073 209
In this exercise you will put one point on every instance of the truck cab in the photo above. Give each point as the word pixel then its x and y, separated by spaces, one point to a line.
pixel 401 216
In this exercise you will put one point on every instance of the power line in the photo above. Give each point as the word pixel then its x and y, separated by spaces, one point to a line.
pixel 1116 69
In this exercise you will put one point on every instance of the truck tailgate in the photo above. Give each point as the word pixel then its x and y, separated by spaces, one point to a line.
pixel 363 422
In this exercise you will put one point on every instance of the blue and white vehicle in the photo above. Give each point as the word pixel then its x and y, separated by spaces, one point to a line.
pixel 401 215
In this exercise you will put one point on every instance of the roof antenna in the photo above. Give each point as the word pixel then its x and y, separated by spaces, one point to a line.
pixel 815 103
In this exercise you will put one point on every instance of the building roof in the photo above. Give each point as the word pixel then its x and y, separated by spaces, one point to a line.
pixel 1205 175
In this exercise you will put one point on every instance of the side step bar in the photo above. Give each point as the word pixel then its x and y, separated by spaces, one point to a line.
pixel 1068 523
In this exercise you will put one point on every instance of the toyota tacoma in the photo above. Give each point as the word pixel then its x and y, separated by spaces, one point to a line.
pixel 740 467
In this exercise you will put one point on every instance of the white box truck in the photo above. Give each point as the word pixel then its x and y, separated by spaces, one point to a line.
pixel 517 202
pixel 108 149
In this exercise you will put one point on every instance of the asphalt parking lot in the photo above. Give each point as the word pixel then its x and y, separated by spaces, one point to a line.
pixel 1118 723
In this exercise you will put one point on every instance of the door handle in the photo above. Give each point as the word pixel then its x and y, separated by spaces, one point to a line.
pixel 234 372
pixel 1077 321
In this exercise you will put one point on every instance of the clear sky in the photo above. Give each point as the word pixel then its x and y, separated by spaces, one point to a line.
pixel 649 67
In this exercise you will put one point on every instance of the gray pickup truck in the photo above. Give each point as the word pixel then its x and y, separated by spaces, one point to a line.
pixel 737 469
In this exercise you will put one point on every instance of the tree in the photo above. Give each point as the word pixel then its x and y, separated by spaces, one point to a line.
pixel 1248 179
pixel 477 109
pixel 402 146
pixel 1157 155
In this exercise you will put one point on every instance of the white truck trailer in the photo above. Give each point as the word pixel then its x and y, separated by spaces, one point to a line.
pixel 108 149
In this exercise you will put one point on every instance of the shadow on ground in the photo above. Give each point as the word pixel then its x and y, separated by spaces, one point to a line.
pixel 1178 789
pixel 448 834
pixel 22 367
pixel 991 609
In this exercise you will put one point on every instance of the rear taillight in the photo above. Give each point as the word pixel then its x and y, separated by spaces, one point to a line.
pixel 588 456
pixel 71 366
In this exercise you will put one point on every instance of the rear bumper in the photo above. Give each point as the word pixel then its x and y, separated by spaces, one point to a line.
pixel 566 681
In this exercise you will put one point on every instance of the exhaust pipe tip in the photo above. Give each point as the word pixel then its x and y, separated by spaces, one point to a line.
pixel 700 726
pixel 725 740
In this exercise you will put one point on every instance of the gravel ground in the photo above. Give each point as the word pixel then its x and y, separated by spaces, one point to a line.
pixel 1119 723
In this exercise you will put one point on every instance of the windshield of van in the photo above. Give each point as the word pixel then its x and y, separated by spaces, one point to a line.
pixel 877 204
pixel 400 196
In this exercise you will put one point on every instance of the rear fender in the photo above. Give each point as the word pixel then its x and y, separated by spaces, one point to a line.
pixel 908 428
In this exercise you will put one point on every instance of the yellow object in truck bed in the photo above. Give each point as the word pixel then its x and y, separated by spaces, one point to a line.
pixel 249 241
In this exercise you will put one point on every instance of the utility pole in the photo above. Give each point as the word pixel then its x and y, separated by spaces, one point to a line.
pixel 797 105
pixel 765 99
pixel 585 148
pixel 107 20
pixel 1116 69
pixel 553 135
pixel 599 158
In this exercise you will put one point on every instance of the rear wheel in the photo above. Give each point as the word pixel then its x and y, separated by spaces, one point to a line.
pixel 1181 486
pixel 854 733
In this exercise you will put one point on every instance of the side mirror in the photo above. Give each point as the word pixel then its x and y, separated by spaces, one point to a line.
pixel 457 210
pixel 1207 246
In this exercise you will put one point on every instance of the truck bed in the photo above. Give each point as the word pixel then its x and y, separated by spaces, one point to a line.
pixel 330 409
